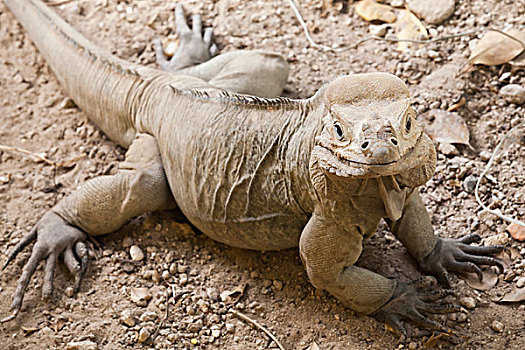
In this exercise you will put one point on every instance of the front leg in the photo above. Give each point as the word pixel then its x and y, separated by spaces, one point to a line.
pixel 439 256
pixel 329 253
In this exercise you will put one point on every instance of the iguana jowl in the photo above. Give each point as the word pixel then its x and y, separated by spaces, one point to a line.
pixel 251 172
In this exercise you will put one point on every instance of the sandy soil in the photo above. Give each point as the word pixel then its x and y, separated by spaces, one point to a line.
pixel 35 115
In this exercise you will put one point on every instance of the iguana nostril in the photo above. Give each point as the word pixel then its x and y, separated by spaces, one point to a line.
pixel 365 145
pixel 394 141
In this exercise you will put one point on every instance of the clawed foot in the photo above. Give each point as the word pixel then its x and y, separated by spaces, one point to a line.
pixel 412 302
pixel 194 46
pixel 54 237
pixel 457 255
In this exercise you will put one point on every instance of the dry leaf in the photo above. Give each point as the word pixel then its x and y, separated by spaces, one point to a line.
pixel 409 27
pixel 447 127
pixel 433 340
pixel 514 296
pixel 516 231
pixel 489 280
pixel 507 256
pixel 313 346
pixel 497 48
pixel 232 296
pixel 370 10
pixel 29 330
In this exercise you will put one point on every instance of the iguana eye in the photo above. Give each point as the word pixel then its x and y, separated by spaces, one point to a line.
pixel 408 124
pixel 339 131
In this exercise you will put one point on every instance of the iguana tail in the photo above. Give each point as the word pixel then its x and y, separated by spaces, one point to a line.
pixel 107 88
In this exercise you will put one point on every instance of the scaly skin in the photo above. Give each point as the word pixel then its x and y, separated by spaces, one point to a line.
pixel 247 171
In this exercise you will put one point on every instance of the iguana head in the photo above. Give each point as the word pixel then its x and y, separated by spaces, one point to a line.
pixel 370 130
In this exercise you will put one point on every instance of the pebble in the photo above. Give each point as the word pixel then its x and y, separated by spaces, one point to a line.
pixel 173 268
pixel 140 296
pixel 127 318
pixel 448 149
pixel 230 327
pixel 278 284
pixel 378 30
pixel 468 302
pixel 412 345
pixel 497 326
pixel 148 316
pixel 183 279
pixel 195 327
pixel 520 282
pixel 432 11
pixel 165 274
pixel 127 242
pixel 70 292
pixel 485 155
pixel 143 335
pixel 136 253
pixel 82 345
pixel 513 93
pixel 469 184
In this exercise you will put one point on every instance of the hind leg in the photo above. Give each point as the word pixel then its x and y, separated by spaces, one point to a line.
pixel 246 72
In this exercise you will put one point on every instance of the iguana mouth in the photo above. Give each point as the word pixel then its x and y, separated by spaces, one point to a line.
pixel 350 162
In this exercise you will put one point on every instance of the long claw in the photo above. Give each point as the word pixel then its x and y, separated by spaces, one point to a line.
pixel 440 309
pixel 437 295
pixel 161 58
pixel 24 242
pixel 10 317
pixel 396 325
pixel 49 275
pixel 180 20
pixel 472 238
pixel 82 252
pixel 208 36
pixel 196 23
pixel 490 250
pixel 423 321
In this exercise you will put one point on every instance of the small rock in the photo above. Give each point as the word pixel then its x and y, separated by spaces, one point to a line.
pixel 485 155
pixel 513 93
pixel 183 279
pixel 127 318
pixel 136 253
pixel 165 274
pixel 70 292
pixel 378 30
pixel 182 268
pixel 140 296
pixel 520 282
pixel 461 317
pixel 433 54
pixel 468 302
pixel 127 242
pixel 216 333
pixel 448 149
pixel 432 11
pixel 67 103
pixel 469 184
pixel 148 316
pixel 278 284
pixel 173 268
pixel 143 335
pixel 195 327
pixel 497 326
pixel 412 345
pixel 230 327
pixel 267 283
pixel 81 345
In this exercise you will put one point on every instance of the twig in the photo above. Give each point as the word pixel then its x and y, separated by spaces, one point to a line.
pixel 176 298
pixel 257 325
pixel 489 164
pixel 371 37
pixel 35 157
pixel 60 3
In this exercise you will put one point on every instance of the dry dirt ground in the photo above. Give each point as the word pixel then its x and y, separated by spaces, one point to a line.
pixel 35 115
